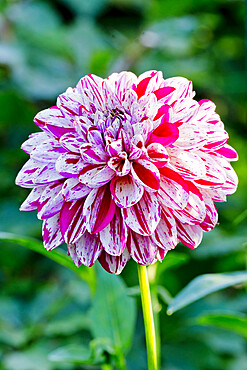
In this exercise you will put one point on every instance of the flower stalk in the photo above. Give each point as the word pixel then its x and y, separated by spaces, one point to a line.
pixel 148 317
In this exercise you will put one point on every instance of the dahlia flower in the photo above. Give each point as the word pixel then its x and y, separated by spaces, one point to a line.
pixel 127 167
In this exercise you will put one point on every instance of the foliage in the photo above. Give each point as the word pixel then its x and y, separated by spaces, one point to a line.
pixel 49 312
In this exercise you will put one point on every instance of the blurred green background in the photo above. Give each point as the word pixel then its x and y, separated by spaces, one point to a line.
pixel 46 46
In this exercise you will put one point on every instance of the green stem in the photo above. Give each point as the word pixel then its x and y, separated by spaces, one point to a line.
pixel 148 317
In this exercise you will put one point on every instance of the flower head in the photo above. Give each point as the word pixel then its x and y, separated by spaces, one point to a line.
pixel 127 167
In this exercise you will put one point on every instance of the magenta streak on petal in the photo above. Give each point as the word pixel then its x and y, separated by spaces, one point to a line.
pixel 147 176
pixel 163 91
pixel 163 111
pixel 165 134
pixel 72 223
pixel 105 211
pixel 142 86
pixel 57 131
pixel 228 152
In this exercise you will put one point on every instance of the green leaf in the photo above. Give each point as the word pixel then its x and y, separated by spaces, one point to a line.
pixel 113 312
pixel 233 322
pixel 204 285
pixel 57 255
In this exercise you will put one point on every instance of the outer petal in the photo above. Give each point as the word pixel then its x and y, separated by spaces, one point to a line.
pixel 114 264
pixel 48 151
pixel 114 236
pixel 174 191
pixel 211 218
pixel 189 235
pixel 228 153
pixel 73 254
pixel 189 165
pixel 28 173
pixel 32 201
pixel 141 248
pixel 72 221
pixel 146 174
pixel 73 190
pixel 165 234
pixel 47 174
pixel 72 142
pixel 99 209
pixel 54 121
pixel 69 165
pixel 51 201
pixel 144 216
pixel 215 175
pixel 195 210
pixel 52 236
pixel 88 249
pixel 125 191
pixel 33 141
pixel 182 85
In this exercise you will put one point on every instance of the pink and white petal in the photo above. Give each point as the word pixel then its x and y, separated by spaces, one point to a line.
pixel 33 141
pixel 165 234
pixel 182 85
pixel 194 212
pixel 144 216
pixel 121 165
pixel 92 85
pixel 190 137
pixel 32 201
pixel 72 221
pixel 69 165
pixel 145 173
pixel 160 254
pixel 157 154
pixel 70 101
pixel 148 82
pixel 96 176
pixel 231 183
pixel 162 92
pixel 51 200
pixel 93 154
pixel 215 174
pixel 165 134
pixel 73 254
pixel 114 264
pixel 228 153
pixel 115 147
pixel 189 235
pixel 51 233
pixel 99 209
pixel 54 121
pixel 217 195
pixel 141 248
pixel 114 236
pixel 72 142
pixel 48 151
pixel 189 165
pixel 47 174
pixel 88 248
pixel 28 173
pixel 211 218
pixel 125 191
pixel 74 190
pixel 174 190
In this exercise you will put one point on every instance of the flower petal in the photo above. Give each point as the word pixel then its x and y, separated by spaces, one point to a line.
pixel 158 154
pixel 99 209
pixel 189 235
pixel 33 141
pixel 51 200
pixel 73 190
pixel 96 176
pixel 54 121
pixel 52 236
pixel 88 249
pixel 114 236
pixel 32 201
pixel 146 174
pixel 174 191
pixel 165 234
pixel 141 248
pixel 228 152
pixel 144 216
pixel 72 221
pixel 28 173
pixel 189 165
pixel 69 165
pixel 125 191
pixel 165 134
pixel 114 264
